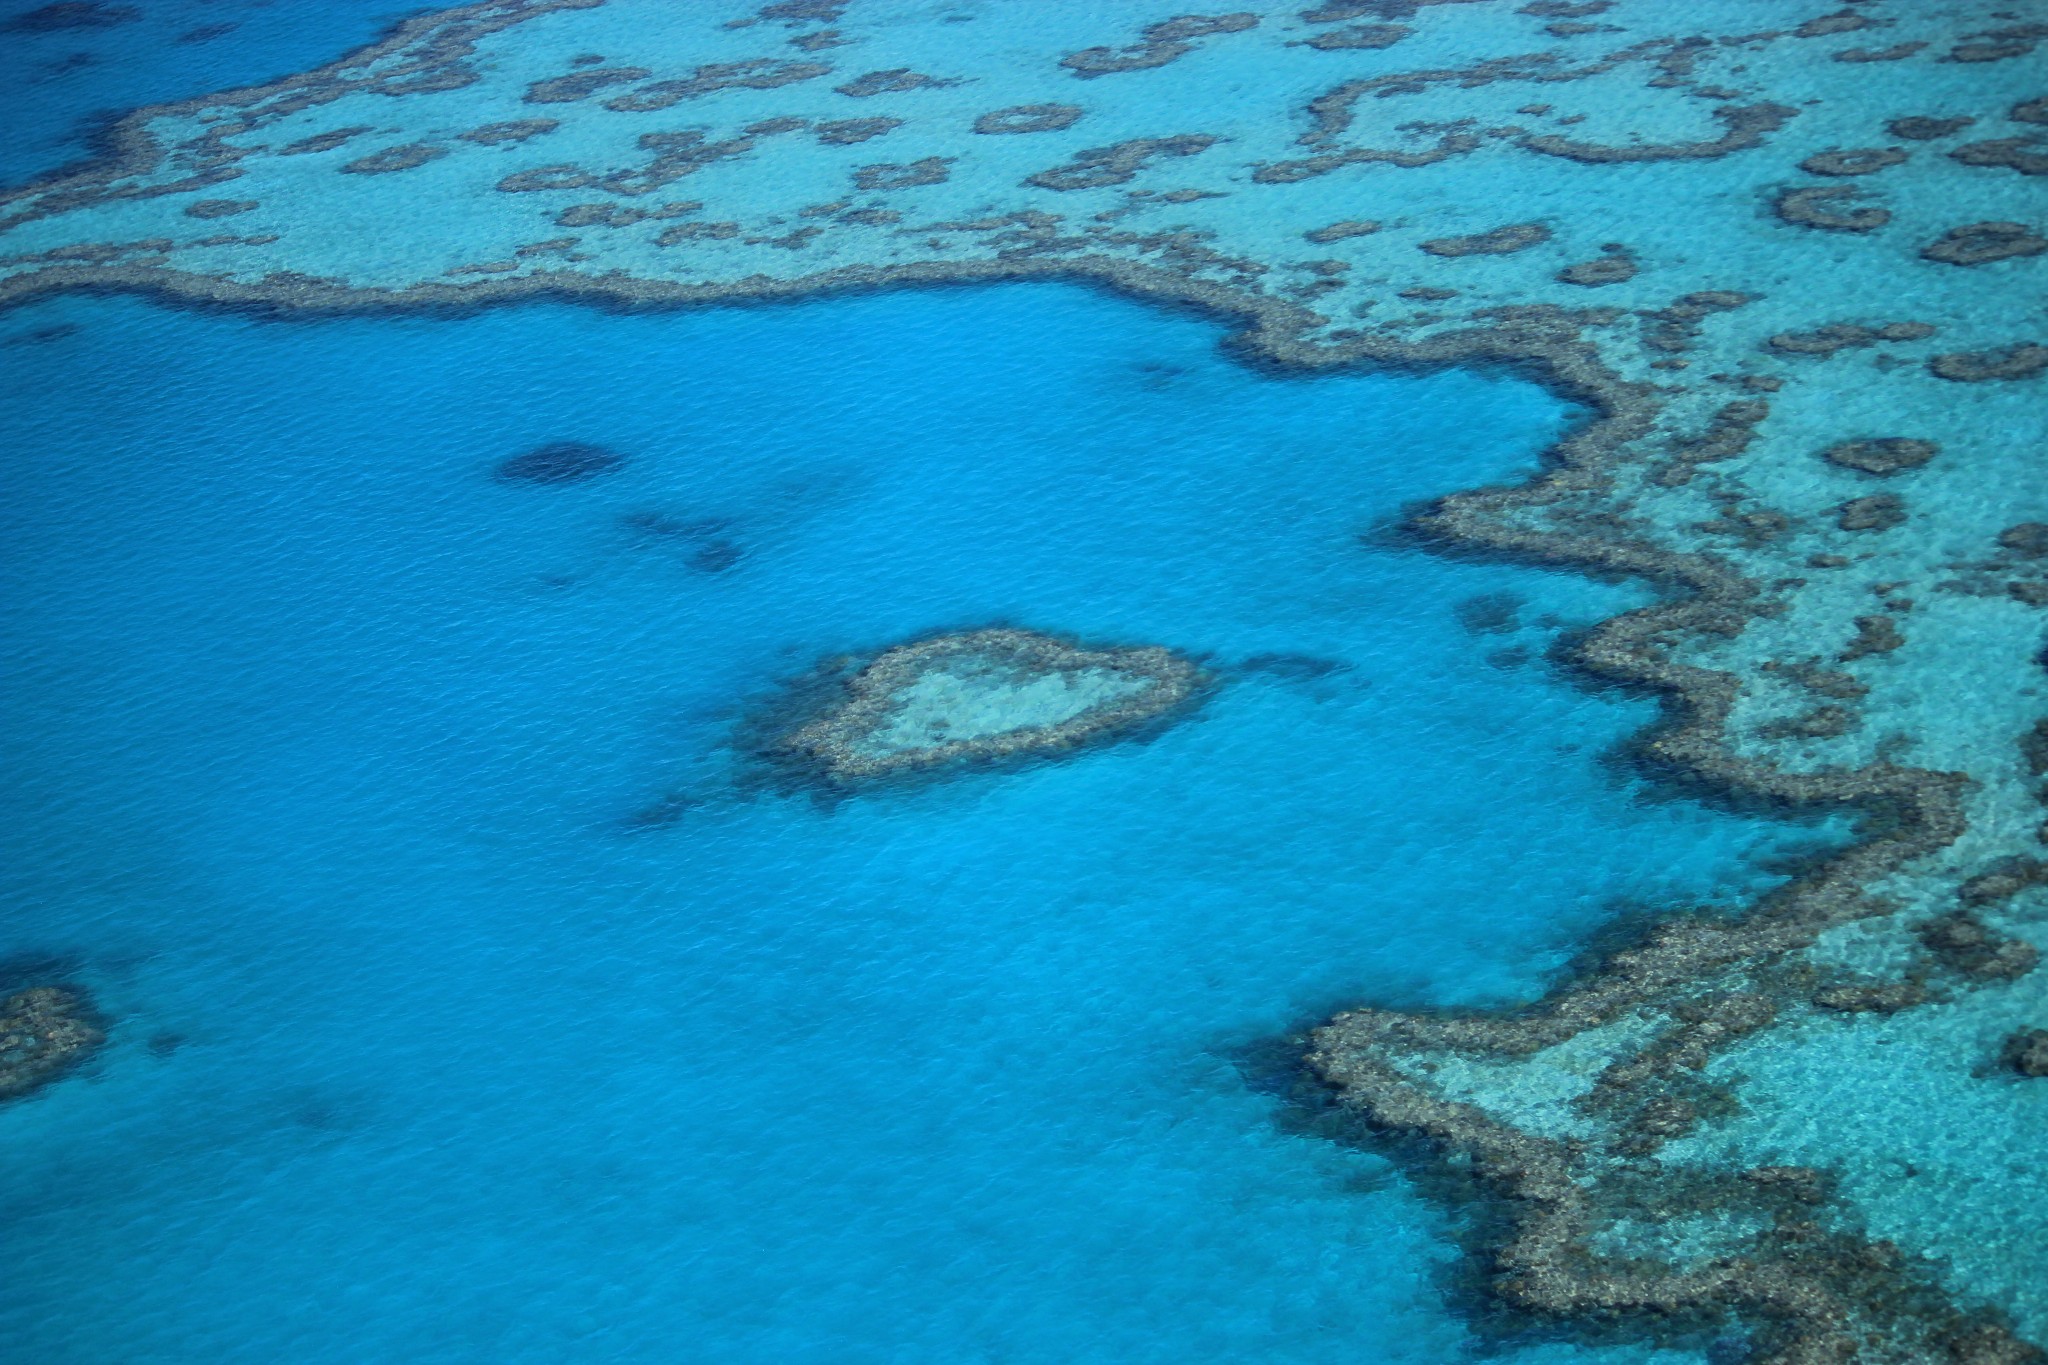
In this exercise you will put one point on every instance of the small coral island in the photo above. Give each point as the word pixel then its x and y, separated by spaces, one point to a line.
pixel 985 694
pixel 44 1031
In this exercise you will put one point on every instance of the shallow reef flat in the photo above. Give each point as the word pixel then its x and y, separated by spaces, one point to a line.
pixel 984 695
pixel 1789 255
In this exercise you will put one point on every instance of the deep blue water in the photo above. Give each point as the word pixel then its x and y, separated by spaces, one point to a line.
pixel 324 745
pixel 59 81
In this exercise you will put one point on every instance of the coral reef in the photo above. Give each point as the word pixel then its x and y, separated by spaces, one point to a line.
pixel 44 1032
pixel 1814 654
pixel 984 695
pixel 1883 455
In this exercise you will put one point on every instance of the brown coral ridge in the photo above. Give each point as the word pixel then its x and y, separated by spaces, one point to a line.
pixel 1746 126
pixel 44 1032
pixel 1881 455
pixel 834 746
pixel 1983 243
pixel 430 52
pixel 1831 208
pixel 2022 360
pixel 1501 241
pixel 2027 155
pixel 391 159
pixel 1617 265
pixel 756 73
pixel 1356 37
pixel 1161 43
pixel 2027 1052
pixel 1028 118
pixel 1095 168
pixel 1904 812
pixel 1819 1295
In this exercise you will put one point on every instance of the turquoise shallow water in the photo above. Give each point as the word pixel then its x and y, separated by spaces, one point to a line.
pixel 326 746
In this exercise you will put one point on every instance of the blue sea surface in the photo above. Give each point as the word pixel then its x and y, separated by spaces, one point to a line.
pixel 331 756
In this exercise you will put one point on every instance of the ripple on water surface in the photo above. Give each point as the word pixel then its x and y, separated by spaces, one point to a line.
pixel 329 746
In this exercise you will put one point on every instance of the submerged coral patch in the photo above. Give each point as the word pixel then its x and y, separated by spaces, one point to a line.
pixel 1881 455
pixel 560 462
pixel 391 159
pixel 44 1032
pixel 1028 118
pixel 1832 209
pixel 66 14
pixel 986 694
pixel 1501 241
pixel 1856 161
pixel 1983 243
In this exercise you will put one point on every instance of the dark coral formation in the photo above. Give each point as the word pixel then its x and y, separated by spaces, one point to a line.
pixel 1097 167
pixel 218 208
pixel 1965 945
pixel 1918 128
pixel 1897 52
pixel 1874 635
pixel 513 130
pixel 44 1032
pixel 1616 265
pixel 1029 118
pixel 2021 360
pixel 850 740
pixel 1676 326
pixel 391 159
pixel 1983 243
pixel 1998 44
pixel 1161 43
pixel 795 12
pixel 1340 231
pixel 323 142
pixel 581 85
pixel 2027 155
pixel 560 462
pixel 1881 455
pixel 760 73
pixel 1501 241
pixel 930 170
pixel 1829 207
pixel 1728 433
pixel 2027 1052
pixel 1747 126
pixel 1837 336
pixel 1841 21
pixel 621 215
pixel 1877 512
pixel 886 82
pixel 1305 168
pixel 2027 538
pixel 1359 36
pixel 1858 161
pixel 847 131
